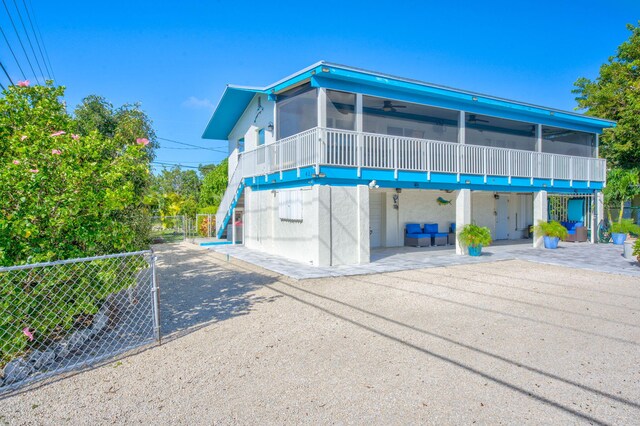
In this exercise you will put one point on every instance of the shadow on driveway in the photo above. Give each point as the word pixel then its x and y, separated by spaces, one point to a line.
pixel 196 290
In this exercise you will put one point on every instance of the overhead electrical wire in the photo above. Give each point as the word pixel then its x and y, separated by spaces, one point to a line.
pixel 44 46
pixel 3 88
pixel 194 146
pixel 174 164
pixel 13 53
pixel 20 41
pixel 6 73
pixel 26 33
pixel 35 35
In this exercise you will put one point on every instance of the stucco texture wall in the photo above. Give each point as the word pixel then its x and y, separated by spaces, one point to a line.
pixel 334 229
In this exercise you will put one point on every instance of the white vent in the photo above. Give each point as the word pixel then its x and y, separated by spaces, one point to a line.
pixel 290 204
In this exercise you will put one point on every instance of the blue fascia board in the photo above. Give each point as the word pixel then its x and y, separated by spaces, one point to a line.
pixel 360 82
pixel 232 105
pixel 348 176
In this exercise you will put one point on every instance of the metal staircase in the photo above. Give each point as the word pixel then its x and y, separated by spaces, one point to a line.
pixel 230 199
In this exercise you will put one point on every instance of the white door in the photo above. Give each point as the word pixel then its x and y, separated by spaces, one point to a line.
pixel 502 217
pixel 376 204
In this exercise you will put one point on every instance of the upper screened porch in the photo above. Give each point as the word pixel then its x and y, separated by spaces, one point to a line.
pixel 353 125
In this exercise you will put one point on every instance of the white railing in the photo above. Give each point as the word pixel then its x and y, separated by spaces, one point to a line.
pixel 320 146
pixel 334 147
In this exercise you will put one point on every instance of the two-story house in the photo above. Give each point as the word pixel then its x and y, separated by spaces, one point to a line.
pixel 334 161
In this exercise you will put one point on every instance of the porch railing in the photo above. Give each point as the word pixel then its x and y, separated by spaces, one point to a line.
pixel 319 146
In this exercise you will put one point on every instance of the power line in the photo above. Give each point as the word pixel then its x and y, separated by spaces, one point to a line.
pixel 13 53
pixel 195 146
pixel 44 47
pixel 6 73
pixel 174 164
pixel 24 27
pixel 3 88
pixel 20 40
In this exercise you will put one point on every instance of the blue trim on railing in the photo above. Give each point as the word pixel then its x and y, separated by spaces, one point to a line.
pixel 348 176
pixel 229 212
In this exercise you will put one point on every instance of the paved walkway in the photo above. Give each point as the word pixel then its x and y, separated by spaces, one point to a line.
pixel 596 257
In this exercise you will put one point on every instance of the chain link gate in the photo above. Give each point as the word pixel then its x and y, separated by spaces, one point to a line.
pixel 64 315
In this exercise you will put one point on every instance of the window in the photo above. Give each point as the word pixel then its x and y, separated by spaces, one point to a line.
pixel 290 204
pixel 241 145
pixel 398 118
pixel 500 133
pixel 296 111
pixel 260 137
pixel 341 110
pixel 568 142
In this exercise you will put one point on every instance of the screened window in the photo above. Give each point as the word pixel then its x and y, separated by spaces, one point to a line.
pixel 296 111
pixel 568 142
pixel 341 110
pixel 499 132
pixel 241 145
pixel 397 118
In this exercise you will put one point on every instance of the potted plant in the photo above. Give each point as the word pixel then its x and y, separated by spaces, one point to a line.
pixel 552 232
pixel 622 228
pixel 474 237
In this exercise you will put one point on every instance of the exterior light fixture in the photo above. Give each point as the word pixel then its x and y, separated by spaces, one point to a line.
pixel 467 182
pixel 373 184
pixel 325 69
pixel 474 98
pixel 270 127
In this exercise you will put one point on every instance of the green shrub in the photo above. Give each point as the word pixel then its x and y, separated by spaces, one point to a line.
pixel 551 229
pixel 636 248
pixel 625 226
pixel 473 235
pixel 64 195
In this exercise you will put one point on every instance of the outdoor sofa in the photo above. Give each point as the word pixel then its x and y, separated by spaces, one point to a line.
pixel 437 238
pixel 576 232
pixel 413 236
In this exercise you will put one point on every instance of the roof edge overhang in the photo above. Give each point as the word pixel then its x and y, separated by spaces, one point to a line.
pixel 235 99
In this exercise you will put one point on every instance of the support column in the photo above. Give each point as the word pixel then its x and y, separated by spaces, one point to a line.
pixel 599 208
pixel 233 227
pixel 594 218
pixel 463 215
pixel 540 213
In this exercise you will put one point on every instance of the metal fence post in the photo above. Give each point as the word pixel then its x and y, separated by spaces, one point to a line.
pixel 155 293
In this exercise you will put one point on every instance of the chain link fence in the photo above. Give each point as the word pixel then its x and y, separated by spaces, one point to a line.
pixel 168 229
pixel 64 315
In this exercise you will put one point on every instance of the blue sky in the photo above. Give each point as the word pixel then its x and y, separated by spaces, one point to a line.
pixel 176 57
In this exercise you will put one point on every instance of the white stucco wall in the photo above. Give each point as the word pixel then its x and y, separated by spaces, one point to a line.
pixel 484 207
pixel 334 229
pixel 248 125
pixel 416 206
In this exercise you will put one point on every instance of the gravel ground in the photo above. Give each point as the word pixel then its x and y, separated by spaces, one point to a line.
pixel 504 342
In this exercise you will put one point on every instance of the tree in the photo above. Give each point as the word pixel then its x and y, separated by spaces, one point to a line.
pixel 622 186
pixel 64 194
pixel 615 94
pixel 214 184
pixel 175 192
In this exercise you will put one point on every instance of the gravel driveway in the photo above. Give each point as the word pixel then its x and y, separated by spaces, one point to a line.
pixel 503 342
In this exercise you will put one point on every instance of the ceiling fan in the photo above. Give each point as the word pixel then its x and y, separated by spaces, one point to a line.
pixel 388 106
pixel 474 119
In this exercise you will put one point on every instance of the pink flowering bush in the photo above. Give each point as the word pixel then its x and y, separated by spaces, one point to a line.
pixel 63 196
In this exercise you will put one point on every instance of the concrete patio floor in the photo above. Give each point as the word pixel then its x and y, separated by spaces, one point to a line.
pixel 596 257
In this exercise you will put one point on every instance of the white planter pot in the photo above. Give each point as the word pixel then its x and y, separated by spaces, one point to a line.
pixel 628 250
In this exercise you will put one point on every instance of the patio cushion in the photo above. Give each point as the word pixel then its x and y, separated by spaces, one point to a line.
pixel 419 235
pixel 439 234
pixel 571 232
pixel 431 228
pixel 413 228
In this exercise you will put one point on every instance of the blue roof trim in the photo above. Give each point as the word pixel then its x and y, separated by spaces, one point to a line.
pixel 235 99
pixel 232 105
